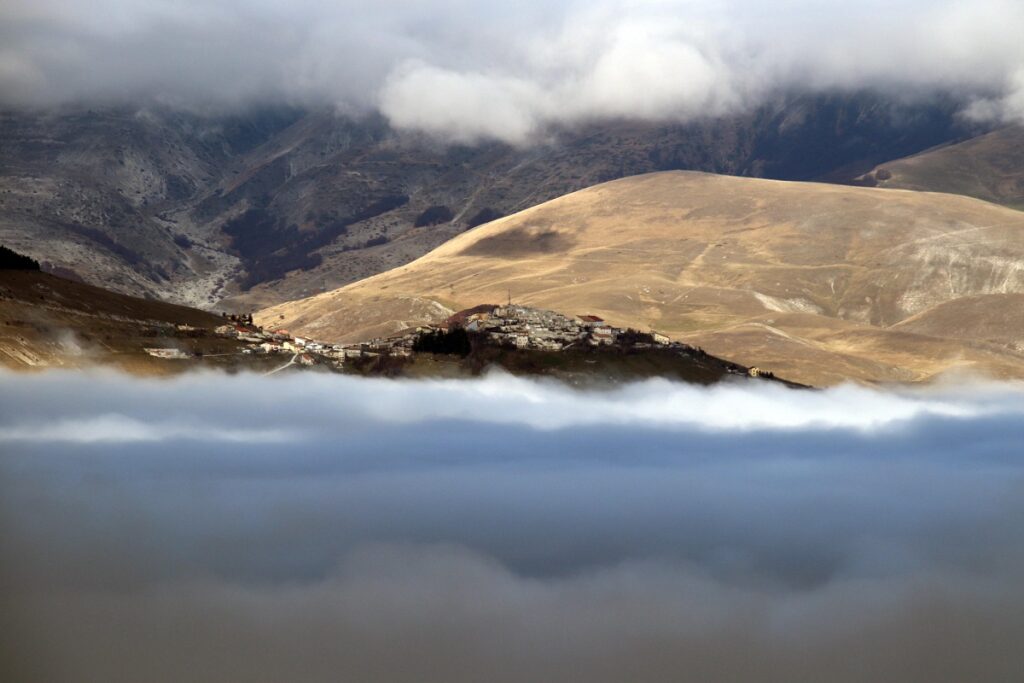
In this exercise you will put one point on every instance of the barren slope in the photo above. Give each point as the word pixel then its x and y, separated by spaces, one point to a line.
pixel 811 281
pixel 989 167
pixel 47 321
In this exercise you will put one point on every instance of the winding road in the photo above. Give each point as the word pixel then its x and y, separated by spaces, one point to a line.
pixel 288 364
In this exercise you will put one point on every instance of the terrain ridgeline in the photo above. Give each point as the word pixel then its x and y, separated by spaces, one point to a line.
pixel 817 283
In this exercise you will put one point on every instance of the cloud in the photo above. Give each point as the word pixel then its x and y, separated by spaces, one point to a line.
pixel 120 429
pixel 464 107
pixel 502 399
pixel 507 529
pixel 442 614
pixel 1008 108
pixel 470 70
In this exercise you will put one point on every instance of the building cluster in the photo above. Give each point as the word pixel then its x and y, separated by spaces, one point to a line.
pixel 523 327
pixel 520 327
pixel 259 341
pixel 256 340
pixel 511 326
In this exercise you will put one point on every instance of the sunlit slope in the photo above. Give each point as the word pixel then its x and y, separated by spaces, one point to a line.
pixel 812 281
pixel 989 167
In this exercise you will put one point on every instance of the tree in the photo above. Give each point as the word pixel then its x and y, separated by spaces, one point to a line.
pixel 453 342
pixel 12 260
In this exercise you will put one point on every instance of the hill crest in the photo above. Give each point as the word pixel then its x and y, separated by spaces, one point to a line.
pixel 807 279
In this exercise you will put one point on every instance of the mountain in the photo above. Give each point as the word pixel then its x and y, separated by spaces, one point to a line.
pixel 818 283
pixel 95 194
pixel 989 167
pixel 272 204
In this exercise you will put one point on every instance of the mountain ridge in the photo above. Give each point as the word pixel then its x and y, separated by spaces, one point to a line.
pixel 274 204
pixel 988 167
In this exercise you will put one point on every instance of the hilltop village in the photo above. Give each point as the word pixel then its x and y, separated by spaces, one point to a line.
pixel 510 328
pixel 51 321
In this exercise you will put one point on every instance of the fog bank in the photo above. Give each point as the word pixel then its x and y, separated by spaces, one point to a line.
pixel 318 528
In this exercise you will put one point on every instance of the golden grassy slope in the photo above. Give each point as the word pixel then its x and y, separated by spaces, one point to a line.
pixel 989 167
pixel 812 281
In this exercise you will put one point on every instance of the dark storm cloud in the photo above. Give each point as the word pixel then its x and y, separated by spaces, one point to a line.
pixel 306 528
pixel 469 70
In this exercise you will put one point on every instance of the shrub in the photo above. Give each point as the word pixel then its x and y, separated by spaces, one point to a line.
pixel 434 215
pixel 629 337
pixel 454 342
pixel 485 215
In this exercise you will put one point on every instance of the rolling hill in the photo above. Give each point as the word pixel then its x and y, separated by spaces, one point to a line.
pixel 989 167
pixel 819 283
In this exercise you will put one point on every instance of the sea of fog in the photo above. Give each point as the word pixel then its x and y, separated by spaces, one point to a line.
pixel 322 528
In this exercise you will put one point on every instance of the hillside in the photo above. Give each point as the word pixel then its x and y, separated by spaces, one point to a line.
pixel 50 322
pixel 268 205
pixel 47 321
pixel 93 193
pixel 989 167
pixel 811 281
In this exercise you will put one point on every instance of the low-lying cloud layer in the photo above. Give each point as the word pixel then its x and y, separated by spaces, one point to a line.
pixel 506 70
pixel 214 528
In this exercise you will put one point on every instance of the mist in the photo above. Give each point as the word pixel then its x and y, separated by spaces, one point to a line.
pixel 323 528
pixel 468 71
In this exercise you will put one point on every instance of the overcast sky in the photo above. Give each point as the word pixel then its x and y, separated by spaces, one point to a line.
pixel 319 528
pixel 469 69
